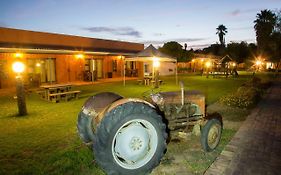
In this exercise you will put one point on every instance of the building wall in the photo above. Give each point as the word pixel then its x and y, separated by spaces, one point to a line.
pixel 167 68
pixel 7 77
pixel 68 68
pixel 43 47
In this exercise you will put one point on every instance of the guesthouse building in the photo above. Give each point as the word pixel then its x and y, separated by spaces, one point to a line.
pixel 59 58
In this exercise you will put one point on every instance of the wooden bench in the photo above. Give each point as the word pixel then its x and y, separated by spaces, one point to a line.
pixel 41 93
pixel 219 74
pixel 140 82
pixel 56 97
pixel 153 82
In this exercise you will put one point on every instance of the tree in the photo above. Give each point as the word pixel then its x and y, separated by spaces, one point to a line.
pixel 215 49
pixel 185 46
pixel 276 37
pixel 174 49
pixel 268 35
pixel 239 51
pixel 221 31
pixel 264 26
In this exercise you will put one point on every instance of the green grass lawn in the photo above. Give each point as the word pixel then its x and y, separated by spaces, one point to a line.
pixel 46 141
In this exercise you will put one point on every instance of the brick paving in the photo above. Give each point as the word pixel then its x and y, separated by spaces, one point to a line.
pixel 256 147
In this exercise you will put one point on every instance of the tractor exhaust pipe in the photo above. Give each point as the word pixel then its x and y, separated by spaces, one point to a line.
pixel 182 92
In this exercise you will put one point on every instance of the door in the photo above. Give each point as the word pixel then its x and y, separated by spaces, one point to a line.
pixel 41 71
pixel 94 66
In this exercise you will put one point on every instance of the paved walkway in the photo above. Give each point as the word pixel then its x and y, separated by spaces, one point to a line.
pixel 256 147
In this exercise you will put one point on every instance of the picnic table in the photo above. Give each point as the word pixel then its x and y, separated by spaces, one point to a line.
pixel 57 92
pixel 148 81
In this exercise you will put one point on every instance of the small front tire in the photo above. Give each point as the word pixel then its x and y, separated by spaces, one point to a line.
pixel 211 134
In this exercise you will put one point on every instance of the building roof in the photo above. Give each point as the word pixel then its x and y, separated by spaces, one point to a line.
pixel 42 41
pixel 149 54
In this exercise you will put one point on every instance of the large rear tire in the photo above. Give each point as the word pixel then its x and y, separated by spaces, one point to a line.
pixel 211 134
pixel 131 139
pixel 90 110
pixel 85 128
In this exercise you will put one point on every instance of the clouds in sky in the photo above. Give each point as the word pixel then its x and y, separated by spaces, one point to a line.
pixel 119 31
pixel 242 28
pixel 239 12
pixel 179 40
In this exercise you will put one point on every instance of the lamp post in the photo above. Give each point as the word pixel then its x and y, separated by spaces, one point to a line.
pixel 193 67
pixel 208 65
pixel 156 65
pixel 18 68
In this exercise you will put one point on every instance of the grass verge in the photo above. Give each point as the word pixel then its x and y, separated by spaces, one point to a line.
pixel 46 141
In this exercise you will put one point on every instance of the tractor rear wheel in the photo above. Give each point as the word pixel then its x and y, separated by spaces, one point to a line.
pixel 130 139
pixel 90 110
pixel 211 134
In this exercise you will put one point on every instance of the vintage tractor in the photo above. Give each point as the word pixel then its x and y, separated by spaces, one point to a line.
pixel 130 135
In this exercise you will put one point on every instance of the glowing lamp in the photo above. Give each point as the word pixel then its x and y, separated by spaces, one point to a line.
pixel 18 67
pixel 156 62
pixel 258 63
pixel 18 55
pixel 192 60
pixel 79 56
pixel 208 64
pixel 233 64
pixel 38 64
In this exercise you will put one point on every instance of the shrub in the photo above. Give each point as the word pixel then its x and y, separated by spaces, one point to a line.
pixel 247 95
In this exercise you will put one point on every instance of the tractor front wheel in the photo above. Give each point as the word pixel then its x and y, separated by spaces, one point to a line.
pixel 211 134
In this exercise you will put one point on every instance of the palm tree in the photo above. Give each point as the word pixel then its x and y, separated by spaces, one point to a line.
pixel 264 27
pixel 221 31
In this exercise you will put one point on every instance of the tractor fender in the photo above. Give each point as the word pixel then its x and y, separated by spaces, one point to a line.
pixel 87 117
pixel 119 103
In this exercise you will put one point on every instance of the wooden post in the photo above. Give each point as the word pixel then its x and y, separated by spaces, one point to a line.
pixel 21 96
pixel 156 78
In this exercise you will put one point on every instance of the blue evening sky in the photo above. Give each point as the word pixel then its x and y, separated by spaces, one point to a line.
pixel 146 21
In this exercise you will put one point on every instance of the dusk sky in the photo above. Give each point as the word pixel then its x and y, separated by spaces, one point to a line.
pixel 146 21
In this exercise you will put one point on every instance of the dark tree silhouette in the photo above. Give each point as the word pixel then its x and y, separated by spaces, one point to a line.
pixel 221 31
pixel 172 48
pixel 175 50
pixel 264 26
pixel 239 51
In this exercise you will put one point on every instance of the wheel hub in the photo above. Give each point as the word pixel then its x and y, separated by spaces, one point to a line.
pixel 213 136
pixel 134 143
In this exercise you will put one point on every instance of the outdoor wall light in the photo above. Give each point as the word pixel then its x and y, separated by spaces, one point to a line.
pixel 18 55
pixel 79 56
